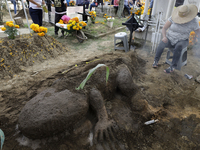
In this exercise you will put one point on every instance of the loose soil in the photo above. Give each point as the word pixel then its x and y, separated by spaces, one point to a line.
pixel 171 98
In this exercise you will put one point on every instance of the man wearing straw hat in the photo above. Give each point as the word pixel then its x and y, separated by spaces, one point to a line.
pixel 179 26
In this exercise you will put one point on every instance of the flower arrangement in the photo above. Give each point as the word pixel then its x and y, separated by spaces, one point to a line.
pixel 39 29
pixel 74 24
pixel 92 16
pixel 139 11
pixel 10 29
pixel 71 3
pixel 193 38
pixel 108 18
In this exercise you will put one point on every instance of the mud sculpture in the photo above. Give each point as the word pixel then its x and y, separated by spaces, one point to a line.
pixel 60 106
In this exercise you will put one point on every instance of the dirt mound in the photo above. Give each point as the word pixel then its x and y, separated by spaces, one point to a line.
pixel 171 99
pixel 25 51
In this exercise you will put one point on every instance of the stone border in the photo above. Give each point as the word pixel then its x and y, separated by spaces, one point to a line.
pixel 103 34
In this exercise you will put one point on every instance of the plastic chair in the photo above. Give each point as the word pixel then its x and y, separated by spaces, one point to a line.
pixel 182 60
pixel 123 37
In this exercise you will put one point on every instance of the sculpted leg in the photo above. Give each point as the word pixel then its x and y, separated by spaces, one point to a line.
pixel 125 81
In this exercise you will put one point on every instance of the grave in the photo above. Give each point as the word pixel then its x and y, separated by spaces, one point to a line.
pixel 110 10
pixel 71 12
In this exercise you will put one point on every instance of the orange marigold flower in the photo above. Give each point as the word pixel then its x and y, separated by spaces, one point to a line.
pixel 16 26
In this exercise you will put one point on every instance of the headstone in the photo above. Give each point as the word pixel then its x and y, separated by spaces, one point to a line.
pixel 19 21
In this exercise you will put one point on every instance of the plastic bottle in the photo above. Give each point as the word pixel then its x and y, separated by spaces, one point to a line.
pixel 150 122
pixel 45 8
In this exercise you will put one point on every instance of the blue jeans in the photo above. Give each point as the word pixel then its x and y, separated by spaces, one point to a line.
pixel 177 50
pixel 128 8
pixel 151 4
pixel 92 5
pixel 15 8
pixel 36 15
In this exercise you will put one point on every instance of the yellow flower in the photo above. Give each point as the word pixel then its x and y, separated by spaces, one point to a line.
pixel 11 25
pixel 3 29
pixel 74 22
pixel 74 27
pixel 41 34
pixel 16 26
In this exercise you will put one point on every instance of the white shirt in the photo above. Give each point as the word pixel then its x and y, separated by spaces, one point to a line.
pixel 31 5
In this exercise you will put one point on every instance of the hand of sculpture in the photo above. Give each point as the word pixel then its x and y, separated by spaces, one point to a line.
pixel 104 129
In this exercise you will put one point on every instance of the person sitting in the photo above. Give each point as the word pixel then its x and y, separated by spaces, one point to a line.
pixel 94 4
pixel 82 2
pixel 176 33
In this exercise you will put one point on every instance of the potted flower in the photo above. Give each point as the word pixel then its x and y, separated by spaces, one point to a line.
pixel 10 29
pixel 92 16
pixel 108 20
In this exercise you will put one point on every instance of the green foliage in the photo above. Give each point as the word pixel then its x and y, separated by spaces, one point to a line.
pixel 2 138
pixel 25 25
pixel 11 32
pixel 81 86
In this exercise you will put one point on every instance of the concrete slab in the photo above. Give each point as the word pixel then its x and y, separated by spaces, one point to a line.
pixel 21 31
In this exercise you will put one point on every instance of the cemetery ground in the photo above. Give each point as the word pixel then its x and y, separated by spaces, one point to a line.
pixel 171 98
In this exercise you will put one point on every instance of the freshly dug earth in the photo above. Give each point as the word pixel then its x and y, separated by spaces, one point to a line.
pixel 26 50
pixel 171 99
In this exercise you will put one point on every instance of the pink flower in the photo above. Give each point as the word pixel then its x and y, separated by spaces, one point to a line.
pixel 65 18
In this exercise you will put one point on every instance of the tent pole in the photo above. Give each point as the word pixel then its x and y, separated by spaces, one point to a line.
pixel 26 15
pixel 9 10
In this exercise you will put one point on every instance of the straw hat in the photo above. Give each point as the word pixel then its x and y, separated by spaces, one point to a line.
pixel 184 13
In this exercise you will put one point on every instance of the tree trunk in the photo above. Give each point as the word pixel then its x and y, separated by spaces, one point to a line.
pixel 1 12
pixel 120 8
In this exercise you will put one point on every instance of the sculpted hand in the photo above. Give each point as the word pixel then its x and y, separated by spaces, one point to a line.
pixel 104 129
pixel 165 40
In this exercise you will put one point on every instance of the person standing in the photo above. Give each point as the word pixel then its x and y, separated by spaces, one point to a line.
pixel 60 10
pixel 151 4
pixel 15 7
pixel 126 5
pixel 35 11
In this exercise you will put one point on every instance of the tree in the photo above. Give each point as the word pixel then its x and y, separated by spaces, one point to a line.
pixel 1 12
pixel 120 8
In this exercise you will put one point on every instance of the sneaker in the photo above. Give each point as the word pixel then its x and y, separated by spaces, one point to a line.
pixel 169 70
pixel 56 34
pixel 155 64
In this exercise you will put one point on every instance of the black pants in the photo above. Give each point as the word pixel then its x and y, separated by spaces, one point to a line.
pixel 57 18
pixel 36 16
